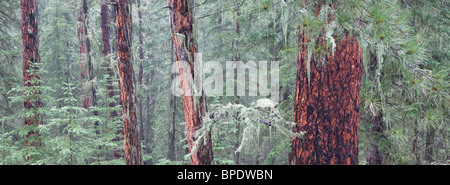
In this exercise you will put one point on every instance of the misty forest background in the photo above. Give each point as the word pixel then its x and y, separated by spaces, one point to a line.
pixel 403 114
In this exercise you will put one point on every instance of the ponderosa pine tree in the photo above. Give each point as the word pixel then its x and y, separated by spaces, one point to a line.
pixel 327 99
pixel 106 48
pixel 88 93
pixel 30 46
pixel 124 39
pixel 181 23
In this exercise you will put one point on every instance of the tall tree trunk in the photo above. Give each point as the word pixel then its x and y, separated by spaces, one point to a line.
pixel 141 71
pixel 181 22
pixel 106 45
pixel 149 138
pixel 376 132
pixel 117 153
pixel 173 106
pixel 238 101
pixel 30 46
pixel 124 38
pixel 327 104
pixel 87 69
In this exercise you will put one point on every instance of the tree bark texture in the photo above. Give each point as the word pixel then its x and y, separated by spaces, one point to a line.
pixel 327 106
pixel 376 133
pixel 30 47
pixel 181 19
pixel 133 154
pixel 141 70
pixel 106 45
pixel 87 70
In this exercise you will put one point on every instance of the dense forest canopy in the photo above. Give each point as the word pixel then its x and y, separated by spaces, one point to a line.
pixel 108 81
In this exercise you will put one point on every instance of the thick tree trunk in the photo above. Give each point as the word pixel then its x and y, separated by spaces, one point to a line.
pixel 327 105
pixel 87 69
pixel 106 45
pixel 124 38
pixel 181 19
pixel 117 154
pixel 30 46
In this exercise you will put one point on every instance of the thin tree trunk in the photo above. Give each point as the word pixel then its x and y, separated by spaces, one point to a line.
pixel 429 144
pixel 238 101
pixel 374 155
pixel 30 47
pixel 181 19
pixel 327 104
pixel 141 71
pixel 124 38
pixel 415 143
pixel 173 102
pixel 376 133
pixel 149 137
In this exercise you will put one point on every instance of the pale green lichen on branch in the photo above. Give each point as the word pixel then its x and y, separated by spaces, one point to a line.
pixel 261 115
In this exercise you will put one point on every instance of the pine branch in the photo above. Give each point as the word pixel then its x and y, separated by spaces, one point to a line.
pixel 219 12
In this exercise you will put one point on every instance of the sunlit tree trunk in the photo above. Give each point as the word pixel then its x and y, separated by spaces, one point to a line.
pixel 128 95
pixel 327 104
pixel 181 20
pixel 30 46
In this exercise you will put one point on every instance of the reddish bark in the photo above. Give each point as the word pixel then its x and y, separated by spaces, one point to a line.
pixel 124 30
pixel 181 20
pixel 327 107
pixel 30 46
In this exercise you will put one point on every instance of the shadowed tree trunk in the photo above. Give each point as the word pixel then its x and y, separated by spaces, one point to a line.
pixel 117 153
pixel 415 143
pixel 327 105
pixel 30 46
pixel 429 144
pixel 181 20
pixel 87 69
pixel 141 72
pixel 374 155
pixel 238 101
pixel 376 132
pixel 124 40
pixel 106 45
pixel 149 139
pixel 173 106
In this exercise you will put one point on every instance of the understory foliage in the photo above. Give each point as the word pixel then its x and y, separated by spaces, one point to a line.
pixel 405 82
